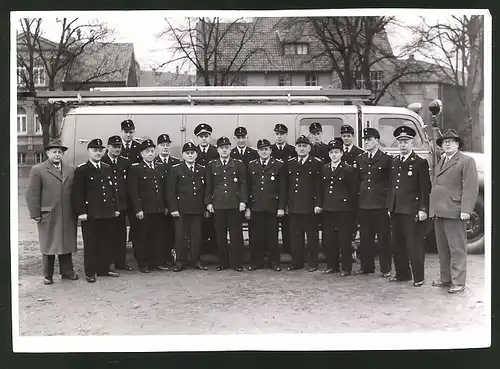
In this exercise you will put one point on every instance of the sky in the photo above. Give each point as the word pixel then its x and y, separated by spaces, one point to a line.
pixel 143 28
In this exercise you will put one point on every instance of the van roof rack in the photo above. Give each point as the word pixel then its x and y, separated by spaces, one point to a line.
pixel 201 95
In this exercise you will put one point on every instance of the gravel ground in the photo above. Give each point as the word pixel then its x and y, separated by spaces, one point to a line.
pixel 198 302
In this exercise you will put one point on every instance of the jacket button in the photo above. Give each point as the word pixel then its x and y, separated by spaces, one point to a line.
pixel 368 187
pixel 397 187
pixel 330 192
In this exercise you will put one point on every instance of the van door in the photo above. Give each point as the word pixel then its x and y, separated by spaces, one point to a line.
pixel 222 125
pixel 262 126
pixel 331 124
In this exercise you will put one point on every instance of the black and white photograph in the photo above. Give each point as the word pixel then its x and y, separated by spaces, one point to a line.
pixel 302 180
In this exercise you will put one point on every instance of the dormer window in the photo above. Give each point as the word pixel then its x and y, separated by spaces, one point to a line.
pixel 295 49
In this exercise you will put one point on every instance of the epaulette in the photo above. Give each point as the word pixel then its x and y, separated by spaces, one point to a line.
pixel 201 165
pixel 135 164
pixel 318 159
pixel 212 161
pixel 104 163
pixel 174 157
pixel 123 157
pixel 292 159
pixel 176 165
pixel 279 160
pixel 79 165
pixel 238 160
pixel 136 140
pixel 253 161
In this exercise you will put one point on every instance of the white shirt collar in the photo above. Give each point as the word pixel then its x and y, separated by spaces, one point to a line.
pixel 348 148
pixel 164 159
pixel 96 165
pixel 372 154
pixel 149 164
pixel 406 156
pixel 335 166
pixel 449 157
pixel 226 160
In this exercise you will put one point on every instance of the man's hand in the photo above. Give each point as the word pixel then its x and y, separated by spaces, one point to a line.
pixel 206 214
pixel 140 215
pixel 243 206
pixel 464 216
pixel 175 214
pixel 281 213
pixel 82 217
pixel 37 219
pixel 166 211
pixel 422 215
pixel 117 214
pixel 248 213
pixel 317 210
pixel 210 208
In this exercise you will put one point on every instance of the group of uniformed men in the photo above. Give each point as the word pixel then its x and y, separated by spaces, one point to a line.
pixel 173 205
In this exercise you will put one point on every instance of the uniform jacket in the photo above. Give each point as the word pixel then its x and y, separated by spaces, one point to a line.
pixel 249 155
pixel 49 197
pixel 185 189
pixel 284 155
pixel 166 168
pixel 266 186
pixel 351 157
pixel 320 151
pixel 94 191
pixel 226 187
pixel 373 179
pixel 119 171
pixel 145 186
pixel 133 155
pixel 338 189
pixel 455 187
pixel 204 159
pixel 410 185
pixel 303 185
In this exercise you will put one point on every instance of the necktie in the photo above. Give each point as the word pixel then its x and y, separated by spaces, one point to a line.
pixel 127 146
pixel 263 164
pixel 346 150
pixel 58 167
pixel 241 151
pixel 114 161
pixel 98 167
pixel 224 162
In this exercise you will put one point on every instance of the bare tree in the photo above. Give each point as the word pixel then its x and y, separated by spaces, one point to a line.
pixel 54 62
pixel 456 45
pixel 217 49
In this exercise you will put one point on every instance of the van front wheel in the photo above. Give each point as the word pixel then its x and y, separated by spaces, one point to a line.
pixel 475 228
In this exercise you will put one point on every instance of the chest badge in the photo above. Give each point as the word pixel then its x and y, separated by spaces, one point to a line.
pixel 235 180
pixel 272 178
pixel 410 172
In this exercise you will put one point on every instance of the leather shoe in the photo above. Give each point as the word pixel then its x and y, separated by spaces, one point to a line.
pixel 238 269
pixel 418 284
pixel 124 267
pixel 277 268
pixel 456 288
pixel 396 279
pixel 220 268
pixel 90 279
pixel 144 270
pixel 164 268
pixel 108 274
pixel 252 268
pixel 293 267
pixel 345 274
pixel 440 284
pixel 327 271
pixel 312 269
pixel 178 268
pixel 200 266
pixel 48 280
pixel 386 275
pixel 361 271
pixel 71 277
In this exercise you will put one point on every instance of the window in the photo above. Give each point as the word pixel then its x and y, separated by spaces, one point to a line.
pixel 22 120
pixel 38 126
pixel 376 77
pixel 39 76
pixel 240 80
pixel 331 127
pixel 295 49
pixel 285 80
pixel 38 157
pixel 21 158
pixel 386 127
pixel 21 71
pixel 311 80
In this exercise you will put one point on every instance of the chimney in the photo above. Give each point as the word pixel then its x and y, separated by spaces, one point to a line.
pixel 177 69
pixel 411 57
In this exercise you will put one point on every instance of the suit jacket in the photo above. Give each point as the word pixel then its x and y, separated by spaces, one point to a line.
pixel 303 185
pixel 204 159
pixel 455 187
pixel 351 157
pixel 249 155
pixel 185 190
pixel 284 155
pixel 49 196
pixel 145 186
pixel 373 179
pixel 94 192
pixel 119 171
pixel 338 189
pixel 226 187
pixel 320 151
pixel 266 186
pixel 410 185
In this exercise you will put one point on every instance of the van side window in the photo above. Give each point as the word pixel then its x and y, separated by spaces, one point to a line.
pixel 386 127
pixel 331 127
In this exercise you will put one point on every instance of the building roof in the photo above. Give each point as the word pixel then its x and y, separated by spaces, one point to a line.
pixel 103 62
pixel 269 36
pixel 149 78
pixel 429 72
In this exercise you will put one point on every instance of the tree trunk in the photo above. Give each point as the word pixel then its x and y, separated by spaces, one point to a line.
pixel 475 122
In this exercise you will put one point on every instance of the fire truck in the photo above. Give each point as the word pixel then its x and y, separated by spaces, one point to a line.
pixel 178 110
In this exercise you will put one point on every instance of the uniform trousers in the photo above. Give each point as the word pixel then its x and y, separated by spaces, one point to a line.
pixel 209 236
pixel 65 265
pixel 451 240
pixel 374 221
pixel 224 220
pixel 97 249
pixel 264 238
pixel 188 239
pixel 168 233
pixel 408 245
pixel 119 239
pixel 149 240
pixel 300 224
pixel 284 223
pixel 132 221
pixel 337 227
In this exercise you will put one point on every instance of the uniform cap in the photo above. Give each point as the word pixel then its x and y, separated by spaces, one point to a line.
pixel 404 132
pixel 114 140
pixel 370 132
pixel 263 143
pixel 223 141
pixel 55 144
pixel 127 125
pixel 202 128
pixel 163 138
pixel 336 143
pixel 315 127
pixel 303 140
pixel 189 146
pixel 147 144
pixel 96 143
pixel 346 128
pixel 240 131
pixel 281 128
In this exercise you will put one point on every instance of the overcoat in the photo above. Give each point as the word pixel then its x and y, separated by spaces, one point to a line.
pixel 49 196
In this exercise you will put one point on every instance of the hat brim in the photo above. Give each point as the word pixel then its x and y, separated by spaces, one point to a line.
pixel 167 141
pixel 280 131
pixel 440 140
pixel 314 131
pixel 370 136
pixel 262 146
pixel 62 147
pixel 203 131
pixel 404 137
pixel 330 148
pixel 96 147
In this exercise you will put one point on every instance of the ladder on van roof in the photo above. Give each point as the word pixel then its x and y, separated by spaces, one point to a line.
pixel 196 95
